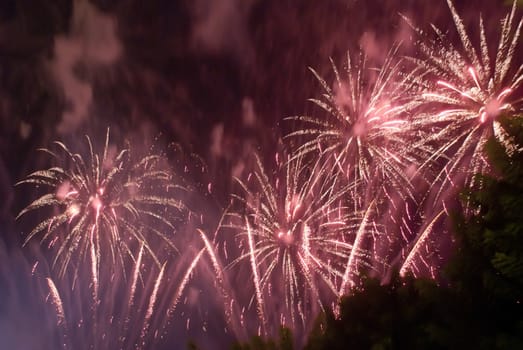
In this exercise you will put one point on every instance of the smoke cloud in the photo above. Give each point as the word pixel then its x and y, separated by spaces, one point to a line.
pixel 92 42
pixel 221 27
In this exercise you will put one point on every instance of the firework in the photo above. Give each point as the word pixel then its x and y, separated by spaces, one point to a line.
pixel 119 321
pixel 296 236
pixel 105 207
pixel 346 200
pixel 364 132
pixel 464 92
pixel 134 313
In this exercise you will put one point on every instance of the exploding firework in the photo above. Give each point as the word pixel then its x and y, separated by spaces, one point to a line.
pixel 296 235
pixel 465 91
pixel 105 207
pixel 365 129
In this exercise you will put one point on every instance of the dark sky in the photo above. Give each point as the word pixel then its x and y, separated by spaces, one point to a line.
pixel 216 77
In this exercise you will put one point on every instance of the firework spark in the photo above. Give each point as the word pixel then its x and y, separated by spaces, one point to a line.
pixel 104 208
pixel 297 236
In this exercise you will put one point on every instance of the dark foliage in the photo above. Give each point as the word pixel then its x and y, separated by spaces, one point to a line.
pixel 490 254
pixel 258 343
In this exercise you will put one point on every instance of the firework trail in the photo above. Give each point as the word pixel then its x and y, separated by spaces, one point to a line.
pixel 178 292
pixel 352 267
pixel 364 131
pixel 222 283
pixel 151 305
pixel 104 208
pixel 408 264
pixel 57 301
pixel 296 236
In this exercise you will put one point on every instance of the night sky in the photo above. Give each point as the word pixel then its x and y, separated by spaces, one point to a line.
pixel 206 82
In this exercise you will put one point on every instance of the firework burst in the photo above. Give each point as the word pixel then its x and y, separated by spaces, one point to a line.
pixel 105 207
pixel 364 132
pixel 297 236
pixel 462 93
pixel 465 90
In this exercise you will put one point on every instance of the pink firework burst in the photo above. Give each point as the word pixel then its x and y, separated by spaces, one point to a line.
pixel 104 208
pixel 297 237
pixel 364 132
pixel 464 91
